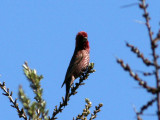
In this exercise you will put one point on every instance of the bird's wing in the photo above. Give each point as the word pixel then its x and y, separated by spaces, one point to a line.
pixel 73 64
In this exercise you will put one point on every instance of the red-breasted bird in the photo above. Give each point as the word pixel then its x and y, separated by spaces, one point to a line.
pixel 79 61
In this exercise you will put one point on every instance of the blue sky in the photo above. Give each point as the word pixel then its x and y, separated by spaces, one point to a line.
pixel 43 33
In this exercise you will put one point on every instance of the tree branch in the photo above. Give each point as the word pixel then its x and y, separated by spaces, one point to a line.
pixel 144 6
pixel 136 77
pixel 21 112
pixel 73 91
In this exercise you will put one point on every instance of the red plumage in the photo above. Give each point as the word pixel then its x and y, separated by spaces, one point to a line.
pixel 79 61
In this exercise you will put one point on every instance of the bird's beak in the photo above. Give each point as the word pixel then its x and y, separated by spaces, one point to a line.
pixel 85 39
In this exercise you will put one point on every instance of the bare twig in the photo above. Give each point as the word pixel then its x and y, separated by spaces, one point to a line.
pixel 146 106
pixel 97 109
pixel 137 115
pixel 86 111
pixel 139 55
pixel 146 73
pixel 129 5
pixel 144 6
pixel 136 77
pixel 147 62
pixel 21 112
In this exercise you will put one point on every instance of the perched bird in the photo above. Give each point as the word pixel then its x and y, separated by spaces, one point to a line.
pixel 78 63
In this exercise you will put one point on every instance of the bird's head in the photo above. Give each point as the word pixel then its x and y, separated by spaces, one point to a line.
pixel 82 40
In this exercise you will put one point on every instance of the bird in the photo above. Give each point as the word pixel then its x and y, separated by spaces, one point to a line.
pixel 78 63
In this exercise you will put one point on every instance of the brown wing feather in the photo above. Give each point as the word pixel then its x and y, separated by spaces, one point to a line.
pixel 73 64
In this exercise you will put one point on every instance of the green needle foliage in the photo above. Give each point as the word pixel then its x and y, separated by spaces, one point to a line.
pixel 37 109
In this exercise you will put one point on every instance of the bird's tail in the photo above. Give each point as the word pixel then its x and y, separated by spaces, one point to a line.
pixel 67 94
